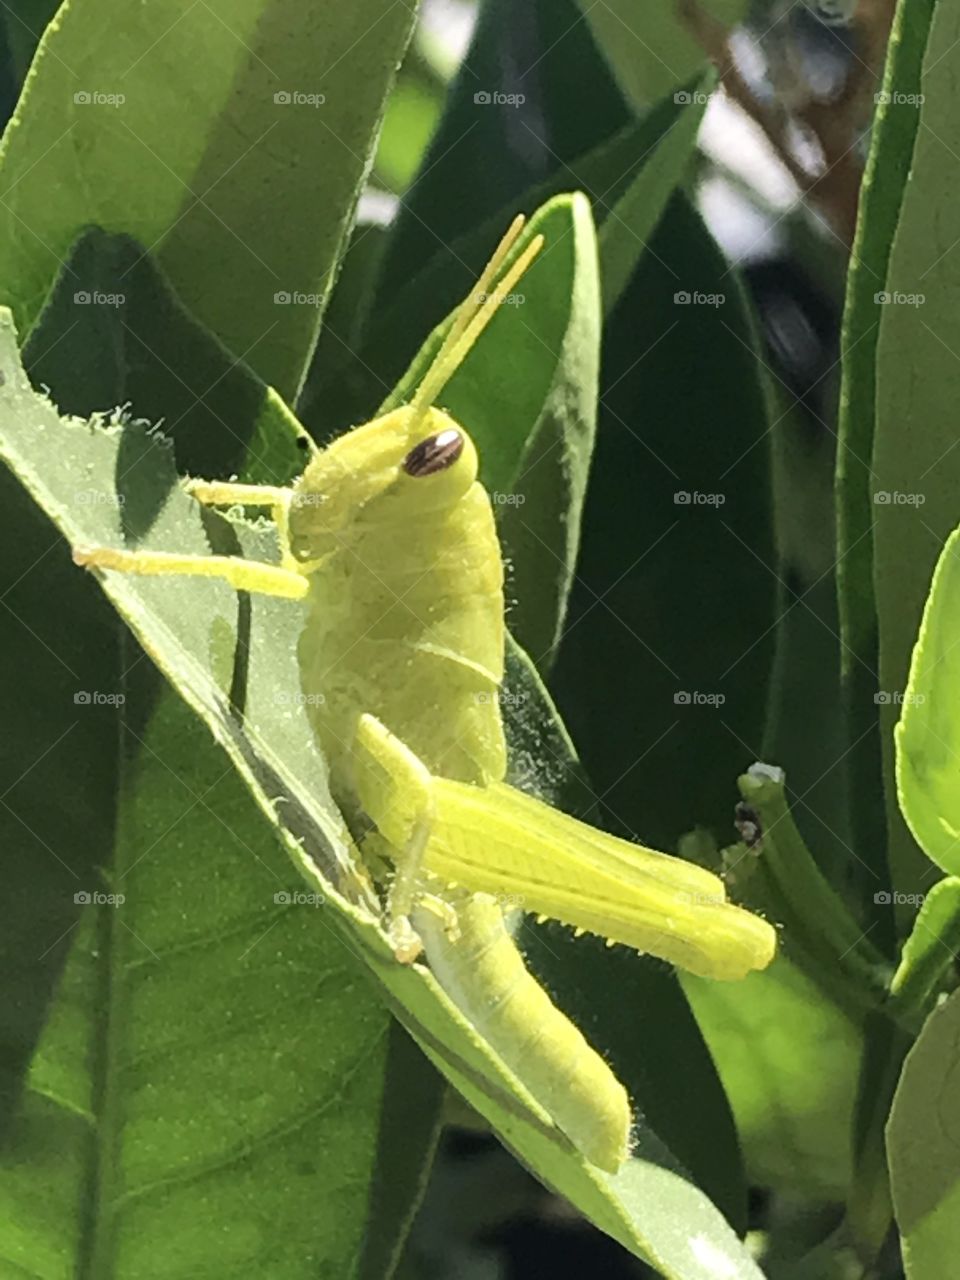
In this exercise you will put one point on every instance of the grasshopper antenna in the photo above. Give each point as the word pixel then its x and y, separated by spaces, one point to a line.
pixel 475 313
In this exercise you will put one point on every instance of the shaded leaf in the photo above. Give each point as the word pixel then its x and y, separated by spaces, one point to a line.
pixel 151 350
pixel 648 44
pixel 664 664
pixel 530 57
pixel 916 472
pixel 117 127
pixel 881 200
pixel 788 1060
pixel 928 735
pixel 923 1136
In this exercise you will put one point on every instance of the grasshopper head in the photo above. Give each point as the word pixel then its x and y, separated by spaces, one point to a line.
pixel 387 474
pixel 416 461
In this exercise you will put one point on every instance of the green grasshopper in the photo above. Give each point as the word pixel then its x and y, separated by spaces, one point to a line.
pixel 390 538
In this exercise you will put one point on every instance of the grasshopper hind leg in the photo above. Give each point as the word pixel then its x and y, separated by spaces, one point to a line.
pixel 395 789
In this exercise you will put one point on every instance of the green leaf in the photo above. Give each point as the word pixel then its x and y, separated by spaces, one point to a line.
pixel 629 177
pixel 788 1060
pixel 538 129
pixel 50 849
pixel 217 407
pixel 673 597
pixel 928 735
pixel 188 627
pixel 916 381
pixel 922 1136
pixel 881 199
pixel 670 129
pixel 148 353
pixel 647 43
pixel 929 951
pixel 197 167
pixel 160 1091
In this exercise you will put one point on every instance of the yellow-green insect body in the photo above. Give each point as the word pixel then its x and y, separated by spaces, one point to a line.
pixel 406 609
pixel 390 538
pixel 406 619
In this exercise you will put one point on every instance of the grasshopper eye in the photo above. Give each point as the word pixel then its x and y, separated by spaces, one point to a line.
pixel 434 454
